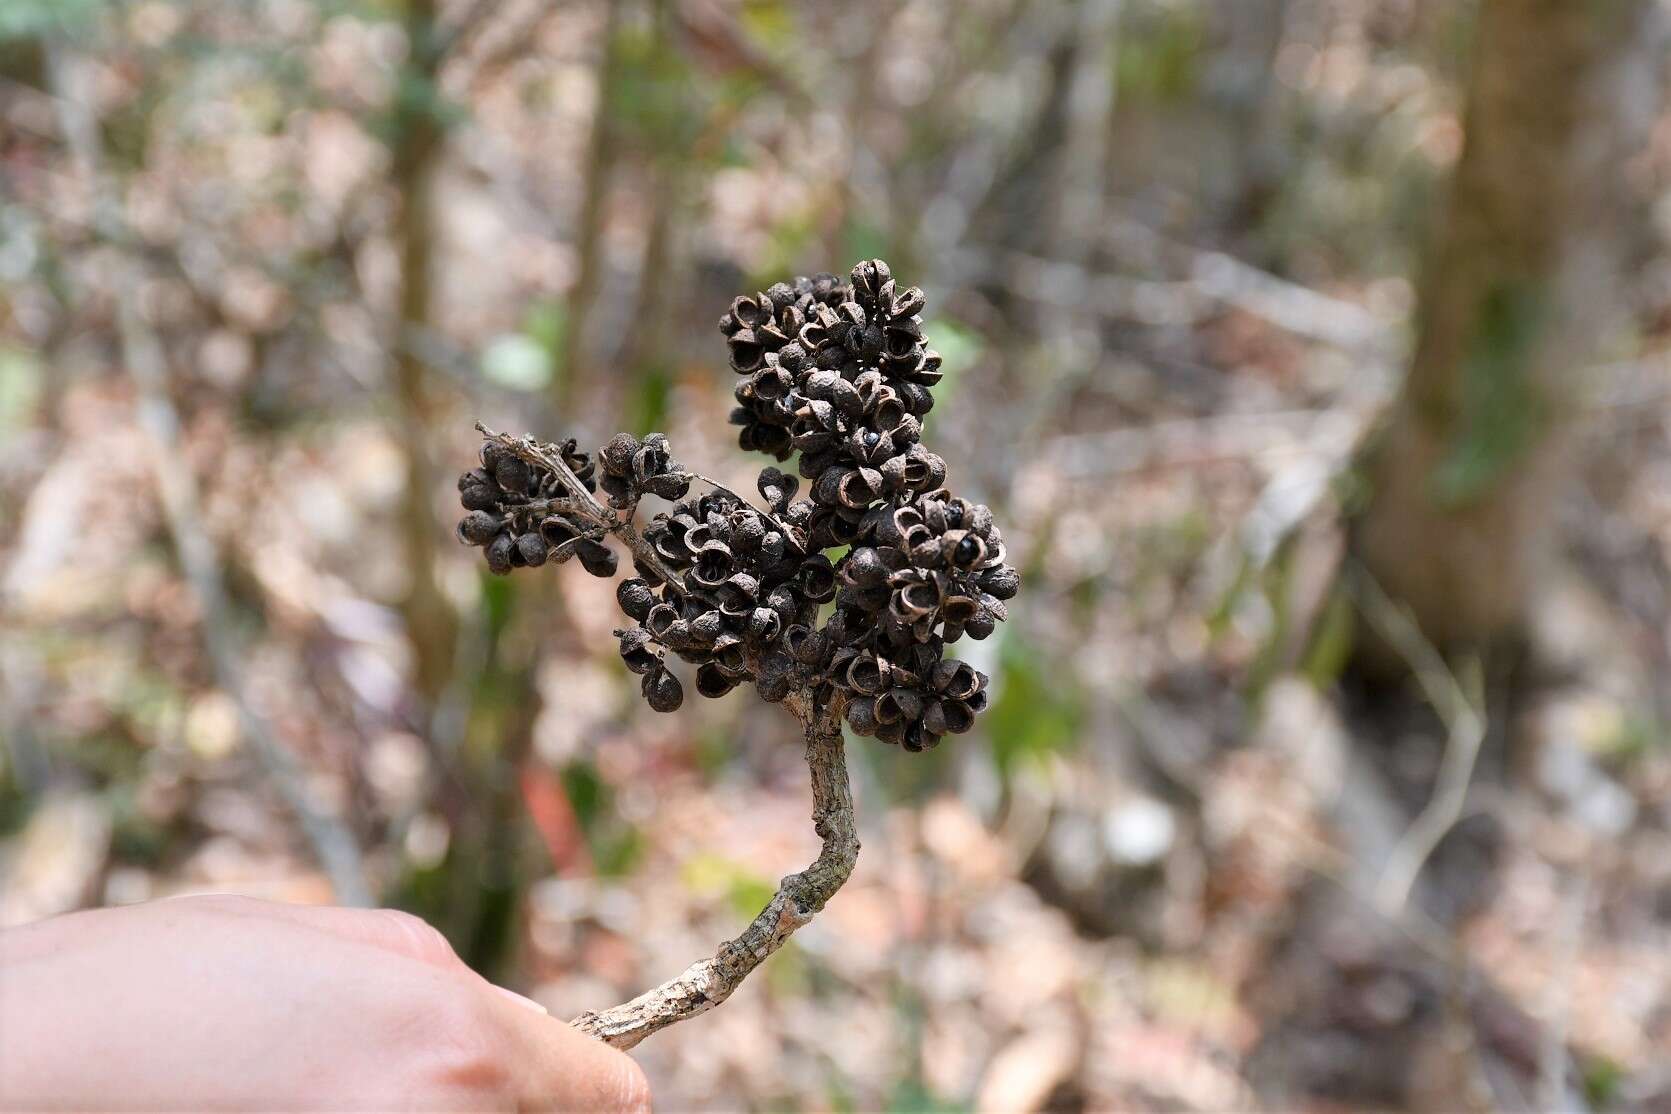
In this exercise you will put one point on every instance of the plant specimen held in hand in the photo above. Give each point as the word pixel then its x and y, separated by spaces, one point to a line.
pixel 838 373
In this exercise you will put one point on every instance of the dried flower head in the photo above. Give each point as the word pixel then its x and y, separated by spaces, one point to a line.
pixel 838 373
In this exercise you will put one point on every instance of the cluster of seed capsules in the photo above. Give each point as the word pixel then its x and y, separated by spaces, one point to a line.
pixel 839 373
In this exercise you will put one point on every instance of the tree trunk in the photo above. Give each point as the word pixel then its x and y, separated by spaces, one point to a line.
pixel 431 623
pixel 1516 296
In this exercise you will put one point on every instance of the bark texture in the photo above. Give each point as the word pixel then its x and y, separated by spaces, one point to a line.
pixel 708 982
pixel 1516 296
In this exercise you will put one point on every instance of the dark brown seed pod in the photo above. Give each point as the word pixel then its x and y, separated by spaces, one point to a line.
pixel 1000 581
pixel 595 557
pixel 617 454
pixel 668 485
pixel 499 560
pixel 712 682
pixel 861 716
pixel 773 690
pixel 661 617
pixel 636 652
pixel 478 528
pixel 662 691
pixel 480 497
pixel 512 474
pixel 532 550
pixel 635 597
pixel 707 627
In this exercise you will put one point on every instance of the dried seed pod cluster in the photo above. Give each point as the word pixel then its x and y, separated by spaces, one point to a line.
pixel 838 372
pixel 521 516
pixel 632 467
pixel 835 371
pixel 740 604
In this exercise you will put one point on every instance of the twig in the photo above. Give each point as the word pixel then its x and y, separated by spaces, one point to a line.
pixel 142 352
pixel 586 505
pixel 1465 727
pixel 788 534
pixel 588 234
pixel 707 983
pixel 458 38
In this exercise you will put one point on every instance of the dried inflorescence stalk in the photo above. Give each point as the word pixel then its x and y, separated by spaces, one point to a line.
pixel 839 373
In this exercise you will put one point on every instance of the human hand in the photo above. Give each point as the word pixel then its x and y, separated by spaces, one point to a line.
pixel 227 1003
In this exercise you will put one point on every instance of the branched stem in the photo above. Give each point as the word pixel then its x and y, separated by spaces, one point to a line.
pixel 788 534
pixel 708 982
pixel 586 505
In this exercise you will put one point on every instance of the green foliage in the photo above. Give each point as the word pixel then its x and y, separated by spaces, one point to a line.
pixel 769 23
pixel 1158 53
pixel 23 18
pixel 498 599
pixel 1040 707
pixel 135 838
pixel 616 845
pixel 903 777
pixel 20 386
pixel 1501 410
pixel 913 1096
pixel 654 98
pixel 744 891
pixel 1331 642
pixel 418 104
pixel 647 408
pixel 15 804
pixel 960 348
pixel 1602 1080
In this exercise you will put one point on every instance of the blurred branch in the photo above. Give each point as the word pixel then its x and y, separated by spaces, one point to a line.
pixel 419 137
pixel 1214 280
pixel 468 27
pixel 1464 724
pixel 799 897
pixel 142 352
pixel 976 169
pixel 588 236
pixel 1090 110
pixel 512 42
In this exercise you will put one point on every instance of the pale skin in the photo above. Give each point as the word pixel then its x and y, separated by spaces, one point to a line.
pixel 228 1003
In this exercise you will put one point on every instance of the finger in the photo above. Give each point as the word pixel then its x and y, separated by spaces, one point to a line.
pixel 564 1069
pixel 388 930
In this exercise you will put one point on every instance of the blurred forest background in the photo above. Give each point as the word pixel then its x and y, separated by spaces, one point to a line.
pixel 1310 352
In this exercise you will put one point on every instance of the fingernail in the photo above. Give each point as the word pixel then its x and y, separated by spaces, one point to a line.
pixel 522 1000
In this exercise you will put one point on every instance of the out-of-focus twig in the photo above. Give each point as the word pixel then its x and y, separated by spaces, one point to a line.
pixel 588 235
pixel 1464 723
pixel 512 40
pixel 1090 111
pixel 1213 280
pixel 142 353
pixel 799 897
pixel 463 31
pixel 419 137
pixel 1194 441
